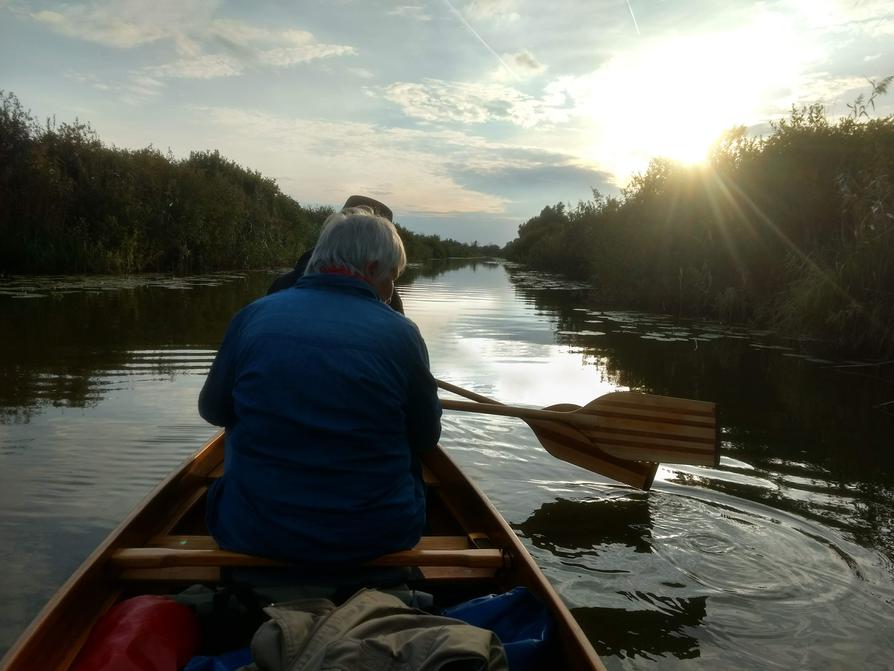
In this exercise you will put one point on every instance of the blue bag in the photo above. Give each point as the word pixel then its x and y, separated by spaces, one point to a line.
pixel 228 661
pixel 517 617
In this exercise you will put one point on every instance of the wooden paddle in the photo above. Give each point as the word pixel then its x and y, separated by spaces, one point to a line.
pixel 620 435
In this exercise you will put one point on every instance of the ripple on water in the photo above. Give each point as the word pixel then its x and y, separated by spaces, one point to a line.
pixel 481 435
pixel 749 554
pixel 776 577
pixel 714 579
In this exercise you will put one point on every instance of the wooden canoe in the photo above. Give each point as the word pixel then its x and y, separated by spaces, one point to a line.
pixel 163 546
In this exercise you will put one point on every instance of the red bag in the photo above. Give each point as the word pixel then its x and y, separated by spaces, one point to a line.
pixel 145 633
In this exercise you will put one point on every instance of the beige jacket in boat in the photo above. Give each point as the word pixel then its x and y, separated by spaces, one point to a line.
pixel 371 631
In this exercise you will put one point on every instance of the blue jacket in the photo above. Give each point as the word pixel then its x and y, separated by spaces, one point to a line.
pixel 327 399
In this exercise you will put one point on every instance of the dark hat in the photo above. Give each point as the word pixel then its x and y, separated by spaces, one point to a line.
pixel 380 209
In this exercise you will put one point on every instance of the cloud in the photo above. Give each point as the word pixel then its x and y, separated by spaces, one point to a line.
pixel 278 48
pixel 491 10
pixel 141 87
pixel 442 101
pixel 285 56
pixel 208 48
pixel 126 24
pixel 415 12
pixel 88 80
pixel 525 60
pixel 521 65
pixel 203 66
pixel 824 88
pixel 549 175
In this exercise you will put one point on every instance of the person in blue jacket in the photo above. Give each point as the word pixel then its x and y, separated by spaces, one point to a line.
pixel 328 401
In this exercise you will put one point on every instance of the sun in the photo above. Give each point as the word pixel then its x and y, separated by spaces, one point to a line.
pixel 675 97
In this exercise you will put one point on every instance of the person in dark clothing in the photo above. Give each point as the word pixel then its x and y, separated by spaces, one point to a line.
pixel 290 278
pixel 326 417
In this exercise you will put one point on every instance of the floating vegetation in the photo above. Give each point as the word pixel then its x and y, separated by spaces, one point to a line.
pixel 662 338
pixel 50 285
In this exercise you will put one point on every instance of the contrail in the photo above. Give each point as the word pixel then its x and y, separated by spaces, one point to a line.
pixel 481 39
pixel 633 16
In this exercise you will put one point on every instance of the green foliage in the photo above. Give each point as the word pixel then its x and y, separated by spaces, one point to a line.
pixel 795 229
pixel 70 204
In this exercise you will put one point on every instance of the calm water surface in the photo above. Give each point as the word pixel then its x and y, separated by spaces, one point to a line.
pixel 779 558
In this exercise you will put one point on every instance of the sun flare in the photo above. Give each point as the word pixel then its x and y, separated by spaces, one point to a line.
pixel 674 98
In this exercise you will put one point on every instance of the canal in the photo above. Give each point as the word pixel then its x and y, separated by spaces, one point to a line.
pixel 781 557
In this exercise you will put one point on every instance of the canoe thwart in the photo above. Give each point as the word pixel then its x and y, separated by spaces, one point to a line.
pixel 155 557
pixel 205 542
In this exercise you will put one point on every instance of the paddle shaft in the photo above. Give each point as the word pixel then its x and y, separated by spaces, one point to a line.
pixel 580 421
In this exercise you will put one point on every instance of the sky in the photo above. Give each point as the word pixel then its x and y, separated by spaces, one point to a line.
pixel 466 117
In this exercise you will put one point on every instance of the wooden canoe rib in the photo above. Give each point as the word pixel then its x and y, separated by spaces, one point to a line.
pixel 161 547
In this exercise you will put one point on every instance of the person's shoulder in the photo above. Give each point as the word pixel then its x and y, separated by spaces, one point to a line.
pixel 262 303
pixel 404 328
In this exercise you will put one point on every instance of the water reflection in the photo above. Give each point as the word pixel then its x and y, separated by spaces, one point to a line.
pixel 652 625
pixel 569 528
pixel 74 337
pixel 650 634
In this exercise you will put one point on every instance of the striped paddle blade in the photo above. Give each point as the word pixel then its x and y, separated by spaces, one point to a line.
pixel 646 427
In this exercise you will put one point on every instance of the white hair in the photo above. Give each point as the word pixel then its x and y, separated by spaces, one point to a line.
pixel 353 239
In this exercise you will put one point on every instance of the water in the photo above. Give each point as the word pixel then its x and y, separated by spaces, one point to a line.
pixel 779 558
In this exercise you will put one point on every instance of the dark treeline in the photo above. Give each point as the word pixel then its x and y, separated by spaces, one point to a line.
pixel 70 204
pixel 425 247
pixel 794 230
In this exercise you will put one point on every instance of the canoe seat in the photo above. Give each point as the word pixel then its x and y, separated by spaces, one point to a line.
pixel 169 554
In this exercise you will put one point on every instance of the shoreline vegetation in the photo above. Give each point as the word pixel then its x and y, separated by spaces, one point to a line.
pixel 794 230
pixel 69 204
